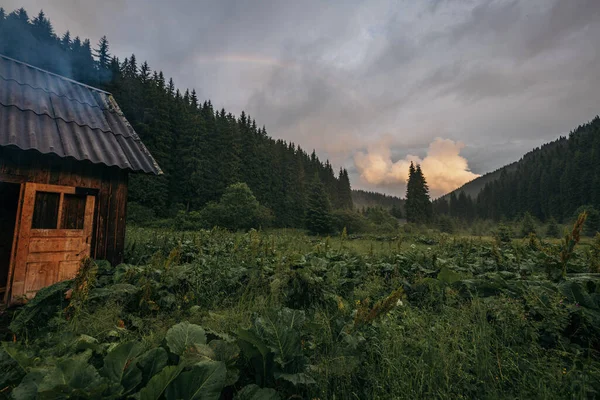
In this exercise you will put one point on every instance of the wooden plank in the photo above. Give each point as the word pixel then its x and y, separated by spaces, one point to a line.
pixel 13 252
pixel 20 261
pixel 53 245
pixel 9 178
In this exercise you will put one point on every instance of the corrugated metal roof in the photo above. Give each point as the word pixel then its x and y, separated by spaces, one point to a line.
pixel 51 114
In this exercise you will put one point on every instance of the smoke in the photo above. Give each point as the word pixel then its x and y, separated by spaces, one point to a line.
pixel 443 166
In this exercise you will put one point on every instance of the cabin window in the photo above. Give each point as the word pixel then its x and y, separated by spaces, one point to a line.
pixel 73 211
pixel 45 211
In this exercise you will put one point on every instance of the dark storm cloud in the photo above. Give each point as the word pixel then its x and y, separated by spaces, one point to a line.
pixel 382 78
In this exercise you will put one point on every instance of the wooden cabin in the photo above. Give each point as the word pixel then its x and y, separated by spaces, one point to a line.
pixel 66 151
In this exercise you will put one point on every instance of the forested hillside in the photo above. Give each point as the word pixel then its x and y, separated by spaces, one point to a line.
pixel 201 150
pixel 475 186
pixel 365 199
pixel 551 181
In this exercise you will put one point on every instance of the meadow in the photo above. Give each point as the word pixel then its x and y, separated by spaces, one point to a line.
pixel 283 315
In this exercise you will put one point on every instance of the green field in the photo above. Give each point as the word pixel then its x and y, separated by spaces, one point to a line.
pixel 279 314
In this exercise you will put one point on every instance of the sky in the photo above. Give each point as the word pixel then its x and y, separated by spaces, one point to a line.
pixel 461 86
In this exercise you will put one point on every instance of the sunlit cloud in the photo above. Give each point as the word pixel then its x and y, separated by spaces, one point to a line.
pixel 444 168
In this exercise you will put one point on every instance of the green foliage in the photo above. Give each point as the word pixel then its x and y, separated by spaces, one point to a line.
pixel 353 221
pixel 215 314
pixel 138 214
pixel 592 223
pixel 552 229
pixel 318 211
pixel 527 225
pixel 184 336
pixel 503 233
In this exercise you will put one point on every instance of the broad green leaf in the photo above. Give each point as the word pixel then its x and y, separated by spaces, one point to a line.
pixel 255 392
pixel 448 276
pixel 204 382
pixel 13 364
pixel 120 368
pixel 281 331
pixel 183 336
pixel 151 362
pixel 296 379
pixel 28 387
pixel 72 377
pixel 159 382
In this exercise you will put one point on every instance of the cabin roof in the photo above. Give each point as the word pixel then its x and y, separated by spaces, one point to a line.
pixel 49 113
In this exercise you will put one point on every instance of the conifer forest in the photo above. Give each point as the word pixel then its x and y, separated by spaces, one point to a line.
pixel 253 269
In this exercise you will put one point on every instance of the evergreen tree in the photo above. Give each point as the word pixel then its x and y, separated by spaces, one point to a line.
pixel 418 204
pixel 318 211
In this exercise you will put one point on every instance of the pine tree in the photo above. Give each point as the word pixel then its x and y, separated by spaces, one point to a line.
pixel 418 204
pixel 318 210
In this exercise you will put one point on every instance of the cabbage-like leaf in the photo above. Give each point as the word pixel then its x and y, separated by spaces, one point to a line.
pixel 71 377
pixel 120 368
pixel 159 382
pixel 255 392
pixel 28 388
pixel 296 379
pixel 183 336
pixel 448 276
pixel 281 331
pixel 152 362
pixel 204 382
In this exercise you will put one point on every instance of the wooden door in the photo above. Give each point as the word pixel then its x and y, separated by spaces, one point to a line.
pixel 53 236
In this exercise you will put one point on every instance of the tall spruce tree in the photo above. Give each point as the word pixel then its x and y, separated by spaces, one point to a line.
pixel 418 204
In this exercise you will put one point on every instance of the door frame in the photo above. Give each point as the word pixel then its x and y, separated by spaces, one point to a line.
pixel 22 181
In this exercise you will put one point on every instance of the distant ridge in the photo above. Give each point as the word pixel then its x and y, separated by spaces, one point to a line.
pixel 365 199
pixel 472 188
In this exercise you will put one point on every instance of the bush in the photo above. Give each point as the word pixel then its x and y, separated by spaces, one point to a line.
pixel 353 221
pixel 552 230
pixel 189 221
pixel 382 219
pixel 503 233
pixel 527 225
pixel 238 209
pixel 445 224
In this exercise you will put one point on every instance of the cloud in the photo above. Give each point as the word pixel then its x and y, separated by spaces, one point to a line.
pixel 336 76
pixel 443 166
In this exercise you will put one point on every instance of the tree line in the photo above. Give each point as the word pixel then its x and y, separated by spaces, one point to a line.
pixel 550 182
pixel 202 151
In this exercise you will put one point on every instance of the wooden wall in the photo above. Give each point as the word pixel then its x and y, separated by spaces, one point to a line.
pixel 108 240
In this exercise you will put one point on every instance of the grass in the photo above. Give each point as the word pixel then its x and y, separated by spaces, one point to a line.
pixel 402 316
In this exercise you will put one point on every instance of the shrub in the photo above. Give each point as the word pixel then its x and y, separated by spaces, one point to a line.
pixel 527 225
pixel 503 233
pixel 552 230
pixel 445 224
pixel 353 221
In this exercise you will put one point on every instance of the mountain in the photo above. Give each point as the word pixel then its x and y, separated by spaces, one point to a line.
pixel 472 188
pixel 553 180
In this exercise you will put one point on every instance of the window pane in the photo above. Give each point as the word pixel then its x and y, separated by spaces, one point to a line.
pixel 73 211
pixel 45 211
